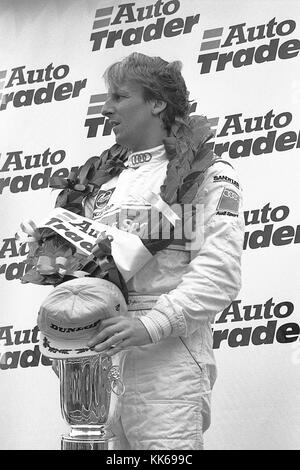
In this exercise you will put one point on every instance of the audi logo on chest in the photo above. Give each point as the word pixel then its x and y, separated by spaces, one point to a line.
pixel 139 158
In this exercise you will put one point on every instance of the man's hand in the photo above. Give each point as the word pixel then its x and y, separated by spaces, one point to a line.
pixel 119 333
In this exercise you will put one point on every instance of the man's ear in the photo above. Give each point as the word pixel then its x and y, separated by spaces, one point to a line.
pixel 158 106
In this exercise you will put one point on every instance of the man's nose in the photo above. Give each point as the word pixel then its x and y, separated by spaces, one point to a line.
pixel 107 108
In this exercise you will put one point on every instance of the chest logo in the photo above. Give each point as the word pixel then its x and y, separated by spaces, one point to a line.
pixel 103 197
pixel 139 158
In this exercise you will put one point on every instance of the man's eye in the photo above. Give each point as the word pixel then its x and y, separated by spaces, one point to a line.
pixel 117 97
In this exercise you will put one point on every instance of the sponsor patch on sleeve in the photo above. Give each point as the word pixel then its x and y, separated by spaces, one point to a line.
pixel 229 201
pixel 226 179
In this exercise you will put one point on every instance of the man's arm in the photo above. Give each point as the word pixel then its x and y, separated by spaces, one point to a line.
pixel 213 278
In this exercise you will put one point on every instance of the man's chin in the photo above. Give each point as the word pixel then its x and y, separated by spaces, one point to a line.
pixel 120 140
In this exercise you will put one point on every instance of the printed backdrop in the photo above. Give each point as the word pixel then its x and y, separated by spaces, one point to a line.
pixel 241 64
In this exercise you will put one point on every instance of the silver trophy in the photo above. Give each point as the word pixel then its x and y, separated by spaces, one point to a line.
pixel 91 385
pixel 91 390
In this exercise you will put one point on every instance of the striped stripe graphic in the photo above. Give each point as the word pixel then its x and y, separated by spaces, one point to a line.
pixel 94 110
pixel 98 98
pixel 3 101
pixel 215 39
pixel 2 75
pixel 102 17
pixel 104 12
pixel 101 23
pixel 210 45
pixel 96 104
pixel 212 33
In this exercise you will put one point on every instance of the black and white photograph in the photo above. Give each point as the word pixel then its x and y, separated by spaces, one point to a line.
pixel 149 176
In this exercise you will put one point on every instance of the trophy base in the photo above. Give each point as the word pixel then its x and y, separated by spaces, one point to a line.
pixel 89 443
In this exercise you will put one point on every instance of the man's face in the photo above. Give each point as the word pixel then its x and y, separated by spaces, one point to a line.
pixel 130 115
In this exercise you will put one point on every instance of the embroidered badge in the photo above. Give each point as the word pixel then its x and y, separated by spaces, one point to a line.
pixel 101 205
pixel 102 197
pixel 229 201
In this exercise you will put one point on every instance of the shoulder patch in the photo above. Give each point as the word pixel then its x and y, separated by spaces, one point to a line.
pixel 229 201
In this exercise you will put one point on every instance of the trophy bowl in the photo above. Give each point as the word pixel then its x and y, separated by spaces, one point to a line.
pixel 91 389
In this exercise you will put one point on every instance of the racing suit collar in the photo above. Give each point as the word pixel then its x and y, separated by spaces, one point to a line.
pixel 144 157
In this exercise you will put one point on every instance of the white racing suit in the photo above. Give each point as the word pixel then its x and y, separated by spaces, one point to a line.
pixel 176 295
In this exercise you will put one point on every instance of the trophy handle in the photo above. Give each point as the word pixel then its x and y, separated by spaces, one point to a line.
pixel 116 383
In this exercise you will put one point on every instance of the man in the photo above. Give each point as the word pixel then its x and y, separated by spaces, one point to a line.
pixel 170 368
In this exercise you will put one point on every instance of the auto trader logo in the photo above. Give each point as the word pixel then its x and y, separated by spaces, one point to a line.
pixel 213 59
pixel 21 87
pixel 238 135
pixel 112 26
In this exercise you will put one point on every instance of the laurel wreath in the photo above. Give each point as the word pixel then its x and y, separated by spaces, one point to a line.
pixel 186 151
